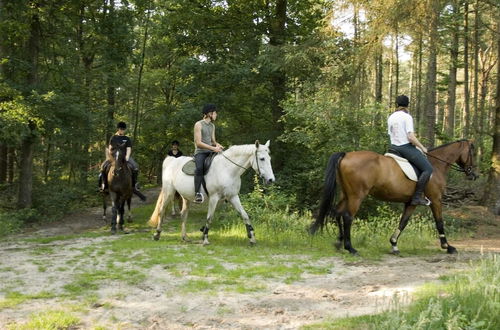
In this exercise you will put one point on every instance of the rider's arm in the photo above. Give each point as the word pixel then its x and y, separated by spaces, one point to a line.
pixel 214 142
pixel 197 139
pixel 129 151
pixel 413 139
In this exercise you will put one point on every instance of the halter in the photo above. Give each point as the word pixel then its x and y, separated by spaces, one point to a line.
pixel 467 170
pixel 245 168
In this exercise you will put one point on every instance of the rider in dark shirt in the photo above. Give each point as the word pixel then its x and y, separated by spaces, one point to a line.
pixel 175 151
pixel 118 139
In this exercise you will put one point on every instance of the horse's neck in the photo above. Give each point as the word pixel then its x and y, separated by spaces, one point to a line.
pixel 445 156
pixel 238 158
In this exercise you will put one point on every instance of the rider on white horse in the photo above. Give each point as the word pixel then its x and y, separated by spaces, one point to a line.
pixel 205 143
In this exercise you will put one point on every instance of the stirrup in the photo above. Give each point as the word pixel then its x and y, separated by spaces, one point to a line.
pixel 198 198
pixel 420 201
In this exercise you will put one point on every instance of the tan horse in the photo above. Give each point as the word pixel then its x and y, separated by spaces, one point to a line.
pixel 362 173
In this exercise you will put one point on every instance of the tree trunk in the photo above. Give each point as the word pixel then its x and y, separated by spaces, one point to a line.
pixel 29 140
pixel 491 197
pixel 418 89
pixel 466 113
pixel 430 94
pixel 139 78
pixel 11 160
pixel 3 163
pixel 449 116
pixel 475 113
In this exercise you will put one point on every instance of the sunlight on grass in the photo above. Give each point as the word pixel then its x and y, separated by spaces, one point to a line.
pixel 15 298
pixel 467 300
pixel 47 320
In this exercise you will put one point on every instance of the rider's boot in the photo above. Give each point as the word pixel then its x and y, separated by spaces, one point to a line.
pixel 198 197
pixel 418 196
pixel 135 186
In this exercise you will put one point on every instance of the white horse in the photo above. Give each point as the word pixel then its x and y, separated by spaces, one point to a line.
pixel 223 181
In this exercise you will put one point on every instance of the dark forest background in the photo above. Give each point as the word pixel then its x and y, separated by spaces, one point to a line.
pixel 282 70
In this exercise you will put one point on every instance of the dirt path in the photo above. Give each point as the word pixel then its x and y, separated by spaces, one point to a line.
pixel 348 288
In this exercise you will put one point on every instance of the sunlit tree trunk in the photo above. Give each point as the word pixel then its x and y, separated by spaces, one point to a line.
pixel 449 117
pixel 466 112
pixel 430 93
pixel 491 197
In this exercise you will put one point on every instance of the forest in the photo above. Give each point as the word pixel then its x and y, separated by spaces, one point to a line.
pixel 312 76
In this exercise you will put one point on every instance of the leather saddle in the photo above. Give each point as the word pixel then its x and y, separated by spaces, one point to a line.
pixel 408 168
pixel 190 167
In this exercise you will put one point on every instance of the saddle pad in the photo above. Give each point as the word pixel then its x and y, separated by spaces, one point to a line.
pixel 189 168
pixel 405 166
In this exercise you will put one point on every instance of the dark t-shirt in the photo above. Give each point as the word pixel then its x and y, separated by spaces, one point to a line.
pixel 116 140
pixel 179 153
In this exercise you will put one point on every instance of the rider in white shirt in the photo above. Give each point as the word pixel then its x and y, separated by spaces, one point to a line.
pixel 403 140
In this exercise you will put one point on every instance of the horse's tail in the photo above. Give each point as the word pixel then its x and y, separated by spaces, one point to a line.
pixel 328 192
pixel 155 217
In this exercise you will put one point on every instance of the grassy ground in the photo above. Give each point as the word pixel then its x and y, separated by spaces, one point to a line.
pixel 284 252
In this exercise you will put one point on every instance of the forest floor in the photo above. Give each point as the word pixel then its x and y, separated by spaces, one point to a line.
pixel 348 288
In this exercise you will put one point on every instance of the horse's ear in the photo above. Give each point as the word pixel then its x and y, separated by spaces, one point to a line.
pixel 257 144
pixel 267 143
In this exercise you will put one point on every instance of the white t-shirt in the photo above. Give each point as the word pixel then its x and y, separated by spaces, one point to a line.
pixel 399 124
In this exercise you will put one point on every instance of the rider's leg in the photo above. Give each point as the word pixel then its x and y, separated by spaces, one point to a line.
pixel 198 177
pixel 103 176
pixel 134 168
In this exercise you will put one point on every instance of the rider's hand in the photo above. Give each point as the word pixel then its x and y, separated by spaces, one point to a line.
pixel 218 148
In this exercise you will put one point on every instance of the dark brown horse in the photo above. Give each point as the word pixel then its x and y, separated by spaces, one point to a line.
pixel 362 173
pixel 120 185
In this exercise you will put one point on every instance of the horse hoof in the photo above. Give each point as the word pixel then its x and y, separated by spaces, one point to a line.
pixel 156 237
pixel 451 250
pixel 253 242
pixel 353 252
pixel 104 218
pixel 113 231
pixel 205 243
pixel 395 252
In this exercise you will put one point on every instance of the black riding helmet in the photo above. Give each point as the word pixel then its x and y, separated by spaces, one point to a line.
pixel 402 101
pixel 121 125
pixel 209 108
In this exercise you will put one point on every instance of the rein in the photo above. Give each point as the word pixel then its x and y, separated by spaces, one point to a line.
pixel 454 166
pixel 245 168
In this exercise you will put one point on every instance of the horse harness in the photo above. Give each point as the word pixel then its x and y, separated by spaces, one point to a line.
pixel 245 168
pixel 466 169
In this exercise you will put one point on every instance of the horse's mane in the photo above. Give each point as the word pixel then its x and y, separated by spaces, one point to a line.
pixel 242 149
pixel 446 144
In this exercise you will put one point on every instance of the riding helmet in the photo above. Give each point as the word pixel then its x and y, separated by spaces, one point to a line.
pixel 121 125
pixel 402 101
pixel 209 108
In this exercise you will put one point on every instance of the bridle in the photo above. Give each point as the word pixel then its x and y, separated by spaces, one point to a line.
pixel 245 168
pixel 466 169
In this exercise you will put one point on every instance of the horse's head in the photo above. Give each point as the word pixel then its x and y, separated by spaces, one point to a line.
pixel 261 163
pixel 117 157
pixel 466 159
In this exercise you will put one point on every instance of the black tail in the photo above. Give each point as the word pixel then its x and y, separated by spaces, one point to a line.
pixel 328 192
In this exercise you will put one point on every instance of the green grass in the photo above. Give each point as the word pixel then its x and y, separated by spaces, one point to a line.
pixel 47 320
pixel 15 298
pixel 468 300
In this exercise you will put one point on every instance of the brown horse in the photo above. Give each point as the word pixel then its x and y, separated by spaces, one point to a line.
pixel 120 185
pixel 362 173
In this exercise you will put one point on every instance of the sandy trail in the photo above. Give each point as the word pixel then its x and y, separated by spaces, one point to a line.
pixel 347 288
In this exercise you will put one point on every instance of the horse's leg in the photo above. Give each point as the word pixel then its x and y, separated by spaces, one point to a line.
pixel 161 206
pixel 114 212
pixel 184 215
pixel 121 213
pixel 104 207
pixel 438 218
pixel 129 213
pixel 408 211
pixel 212 204
pixel 235 201
pixel 353 203
pixel 339 210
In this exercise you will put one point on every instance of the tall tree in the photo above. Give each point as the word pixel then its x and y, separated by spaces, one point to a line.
pixel 449 116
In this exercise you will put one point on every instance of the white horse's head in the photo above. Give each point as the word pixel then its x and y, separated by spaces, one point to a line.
pixel 261 163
